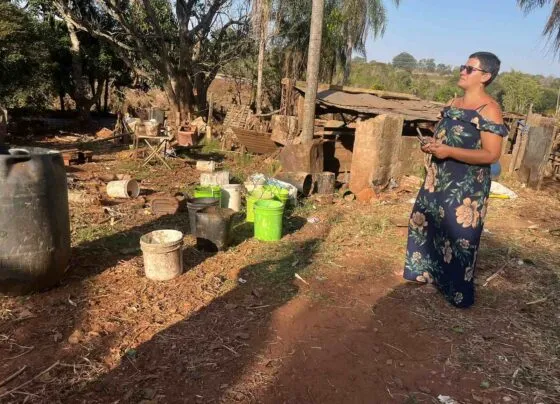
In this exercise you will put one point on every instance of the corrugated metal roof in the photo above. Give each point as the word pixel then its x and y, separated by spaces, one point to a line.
pixel 368 103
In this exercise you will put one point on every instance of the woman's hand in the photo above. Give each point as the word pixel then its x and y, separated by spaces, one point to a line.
pixel 439 150
pixel 426 146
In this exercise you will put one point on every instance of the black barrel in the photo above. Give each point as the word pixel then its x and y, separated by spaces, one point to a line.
pixel 196 204
pixel 34 220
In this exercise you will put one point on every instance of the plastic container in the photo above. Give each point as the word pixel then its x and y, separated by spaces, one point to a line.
pixel 213 226
pixel 34 219
pixel 123 189
pixel 208 166
pixel 231 197
pixel 268 220
pixel 196 204
pixel 217 178
pixel 495 170
pixel 280 194
pixel 257 194
pixel 283 195
pixel 208 191
pixel 163 254
pixel 187 137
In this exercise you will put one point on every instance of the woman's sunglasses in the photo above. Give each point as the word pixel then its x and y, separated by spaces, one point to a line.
pixel 471 69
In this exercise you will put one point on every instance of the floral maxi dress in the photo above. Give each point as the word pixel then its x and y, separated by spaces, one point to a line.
pixel 447 219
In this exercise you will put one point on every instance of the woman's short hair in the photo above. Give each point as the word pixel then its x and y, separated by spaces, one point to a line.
pixel 489 63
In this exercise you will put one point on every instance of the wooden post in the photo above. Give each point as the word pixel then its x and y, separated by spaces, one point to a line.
pixel 558 103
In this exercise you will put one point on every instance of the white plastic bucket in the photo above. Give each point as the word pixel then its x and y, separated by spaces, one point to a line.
pixel 123 189
pixel 231 197
pixel 163 254
pixel 217 178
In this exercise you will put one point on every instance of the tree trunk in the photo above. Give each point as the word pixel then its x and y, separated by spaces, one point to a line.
pixel 260 65
pixel 83 104
pixel 97 100
pixel 106 96
pixel 173 102
pixel 61 98
pixel 348 61
pixel 558 102
pixel 312 75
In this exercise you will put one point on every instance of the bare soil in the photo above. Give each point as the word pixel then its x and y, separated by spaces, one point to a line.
pixel 240 326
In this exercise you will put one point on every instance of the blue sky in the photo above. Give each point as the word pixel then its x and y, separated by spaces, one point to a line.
pixel 450 30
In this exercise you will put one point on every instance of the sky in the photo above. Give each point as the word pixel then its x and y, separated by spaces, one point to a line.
pixel 450 30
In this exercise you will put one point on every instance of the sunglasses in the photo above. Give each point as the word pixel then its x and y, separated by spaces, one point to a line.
pixel 470 69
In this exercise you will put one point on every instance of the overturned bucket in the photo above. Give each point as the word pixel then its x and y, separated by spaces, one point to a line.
pixel 163 254
pixel 213 226
pixel 196 204
pixel 123 189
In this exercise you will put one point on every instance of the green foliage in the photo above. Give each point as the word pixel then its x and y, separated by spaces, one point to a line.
pixel 547 101
pixel 514 90
pixel 346 22
pixel 427 65
pixel 520 90
pixel 552 26
pixel 405 61
pixel 24 56
pixel 446 93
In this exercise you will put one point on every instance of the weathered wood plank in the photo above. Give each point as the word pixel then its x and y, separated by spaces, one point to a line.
pixel 255 142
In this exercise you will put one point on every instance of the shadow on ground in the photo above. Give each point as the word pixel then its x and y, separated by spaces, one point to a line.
pixel 275 339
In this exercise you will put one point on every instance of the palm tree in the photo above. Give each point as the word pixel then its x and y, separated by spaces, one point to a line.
pixel 359 18
pixel 552 26
pixel 346 26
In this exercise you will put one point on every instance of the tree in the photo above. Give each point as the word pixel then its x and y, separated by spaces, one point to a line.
pixel 443 69
pixel 546 103
pixel 519 91
pixel 24 69
pixel 293 19
pixel 260 16
pixel 180 45
pixel 346 26
pixel 313 61
pixel 427 65
pixel 359 18
pixel 552 26
pixel 405 61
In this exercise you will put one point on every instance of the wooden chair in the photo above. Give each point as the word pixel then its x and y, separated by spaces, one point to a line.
pixel 156 143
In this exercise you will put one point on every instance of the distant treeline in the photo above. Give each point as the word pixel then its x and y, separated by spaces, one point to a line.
pixel 430 80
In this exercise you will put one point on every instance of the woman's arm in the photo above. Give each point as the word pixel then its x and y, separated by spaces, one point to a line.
pixel 491 144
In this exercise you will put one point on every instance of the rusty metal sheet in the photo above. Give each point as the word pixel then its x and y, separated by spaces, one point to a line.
pixel 255 142
pixel 367 103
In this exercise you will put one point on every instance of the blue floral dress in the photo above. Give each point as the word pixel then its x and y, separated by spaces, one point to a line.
pixel 447 219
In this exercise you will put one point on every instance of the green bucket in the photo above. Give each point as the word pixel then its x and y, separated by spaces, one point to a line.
pixel 283 195
pixel 256 195
pixel 280 194
pixel 268 220
pixel 208 191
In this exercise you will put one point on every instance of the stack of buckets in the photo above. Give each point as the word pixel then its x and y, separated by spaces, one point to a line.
pixel 209 191
pixel 265 207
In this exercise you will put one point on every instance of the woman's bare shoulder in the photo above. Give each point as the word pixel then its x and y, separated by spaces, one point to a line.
pixel 493 112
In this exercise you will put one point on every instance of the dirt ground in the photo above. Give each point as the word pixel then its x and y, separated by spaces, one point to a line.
pixel 240 326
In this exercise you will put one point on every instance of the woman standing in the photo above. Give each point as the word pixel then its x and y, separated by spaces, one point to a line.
pixel 447 219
